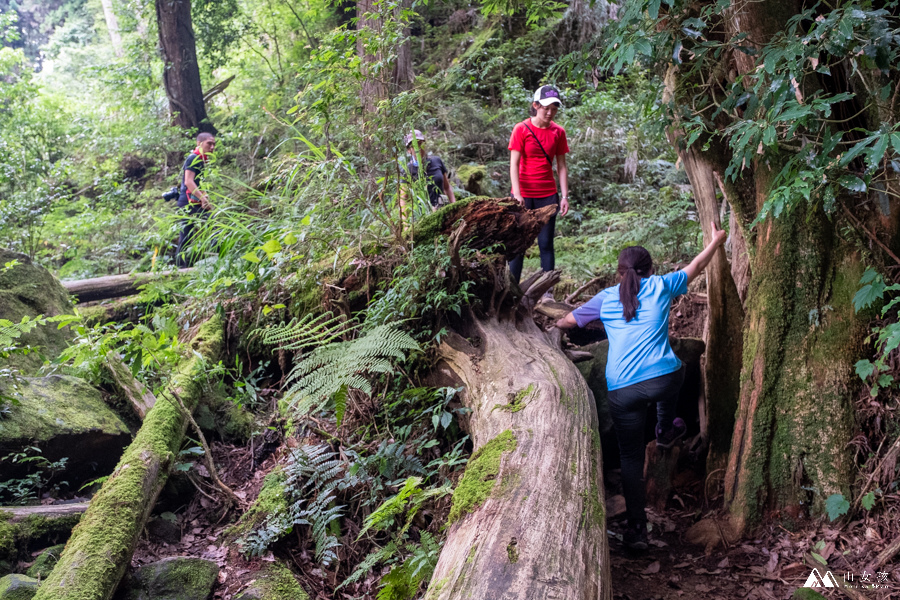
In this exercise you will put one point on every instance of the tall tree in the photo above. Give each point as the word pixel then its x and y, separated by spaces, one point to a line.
pixel 789 111
pixel 112 26
pixel 181 75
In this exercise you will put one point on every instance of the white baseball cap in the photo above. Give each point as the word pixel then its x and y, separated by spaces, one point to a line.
pixel 415 133
pixel 547 95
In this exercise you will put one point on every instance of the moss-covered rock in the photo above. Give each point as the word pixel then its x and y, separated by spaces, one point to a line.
pixel 274 582
pixel 45 562
pixel 64 417
pixel 472 177
pixel 18 587
pixel 28 289
pixel 271 500
pixel 174 578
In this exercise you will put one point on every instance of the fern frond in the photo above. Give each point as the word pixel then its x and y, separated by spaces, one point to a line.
pixel 329 372
pixel 307 332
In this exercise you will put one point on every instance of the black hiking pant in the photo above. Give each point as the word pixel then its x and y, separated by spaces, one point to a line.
pixel 545 238
pixel 185 257
pixel 628 409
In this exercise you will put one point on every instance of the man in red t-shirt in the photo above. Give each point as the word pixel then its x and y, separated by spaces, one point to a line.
pixel 532 146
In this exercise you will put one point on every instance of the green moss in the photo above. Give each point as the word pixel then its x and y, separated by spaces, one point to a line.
pixel 7 537
pixel 806 594
pixel 100 547
pixel 517 401
pixel 45 562
pixel 480 476
pixel 438 222
pixel 20 537
pixel 278 583
pixel 17 587
pixel 271 500
pixel 471 557
pixel 512 551
pixel 564 397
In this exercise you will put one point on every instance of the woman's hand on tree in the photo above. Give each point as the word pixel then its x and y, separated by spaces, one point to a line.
pixel 718 236
pixel 519 199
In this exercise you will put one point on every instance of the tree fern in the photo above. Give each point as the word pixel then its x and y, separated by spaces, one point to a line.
pixel 338 366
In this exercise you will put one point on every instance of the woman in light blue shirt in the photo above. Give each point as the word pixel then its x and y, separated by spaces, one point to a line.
pixel 641 368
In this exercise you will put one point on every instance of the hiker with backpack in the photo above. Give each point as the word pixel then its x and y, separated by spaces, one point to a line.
pixel 192 200
pixel 421 164
pixel 533 145
pixel 641 367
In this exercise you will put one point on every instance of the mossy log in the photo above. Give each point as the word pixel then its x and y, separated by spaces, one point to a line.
pixel 114 286
pixel 100 548
pixel 26 528
pixel 489 223
pixel 527 519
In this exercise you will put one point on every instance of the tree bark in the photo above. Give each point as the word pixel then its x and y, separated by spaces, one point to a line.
pixel 725 318
pixel 112 25
pixel 114 286
pixel 140 399
pixel 181 73
pixel 540 531
pixel 99 551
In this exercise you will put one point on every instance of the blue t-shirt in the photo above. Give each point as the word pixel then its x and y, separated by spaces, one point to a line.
pixel 639 349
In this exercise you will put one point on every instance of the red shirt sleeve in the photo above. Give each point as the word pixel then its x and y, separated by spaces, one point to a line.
pixel 562 144
pixel 517 139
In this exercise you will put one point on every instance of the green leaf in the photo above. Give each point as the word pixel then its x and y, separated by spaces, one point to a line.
pixel 271 247
pixel 868 295
pixel 250 276
pixel 290 238
pixel 874 156
pixel 251 257
pixel 868 501
pixel 853 183
pixel 819 557
pixel 864 369
pixel 836 506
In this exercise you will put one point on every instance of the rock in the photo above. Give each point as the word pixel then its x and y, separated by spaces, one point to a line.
pixel 273 582
pixel 64 417
pixel 174 578
pixel 28 289
pixel 18 587
pixel 615 506
pixel 45 562
pixel 164 529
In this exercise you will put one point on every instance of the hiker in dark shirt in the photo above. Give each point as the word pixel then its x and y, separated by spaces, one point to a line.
pixel 193 200
pixel 436 173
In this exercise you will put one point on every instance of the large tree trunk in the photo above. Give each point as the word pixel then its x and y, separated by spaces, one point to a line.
pixel 181 74
pixel 100 548
pixel 528 517
pixel 795 418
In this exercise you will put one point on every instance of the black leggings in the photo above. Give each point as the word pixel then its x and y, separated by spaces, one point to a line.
pixel 545 238
pixel 628 409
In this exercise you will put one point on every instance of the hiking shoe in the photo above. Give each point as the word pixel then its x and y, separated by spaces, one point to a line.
pixel 635 537
pixel 667 439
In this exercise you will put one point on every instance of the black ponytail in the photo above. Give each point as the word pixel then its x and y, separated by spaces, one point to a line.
pixel 634 263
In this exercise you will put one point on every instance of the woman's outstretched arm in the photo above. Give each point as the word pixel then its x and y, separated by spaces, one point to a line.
pixel 701 260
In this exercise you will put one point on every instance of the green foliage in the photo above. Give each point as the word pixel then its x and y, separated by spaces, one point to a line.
pixel 332 369
pixel 836 506
pixel 886 336
pixel 421 293
pixel 29 488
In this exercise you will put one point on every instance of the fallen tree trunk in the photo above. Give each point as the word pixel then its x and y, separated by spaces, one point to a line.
pixel 100 548
pixel 527 519
pixel 140 399
pixel 114 286
pixel 50 511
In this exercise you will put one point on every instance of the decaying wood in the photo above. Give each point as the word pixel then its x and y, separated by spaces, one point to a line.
pixel 574 295
pixel 99 551
pixel 490 223
pixel 725 317
pixel 140 399
pixel 659 470
pixel 540 532
pixel 114 286
pixel 52 511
